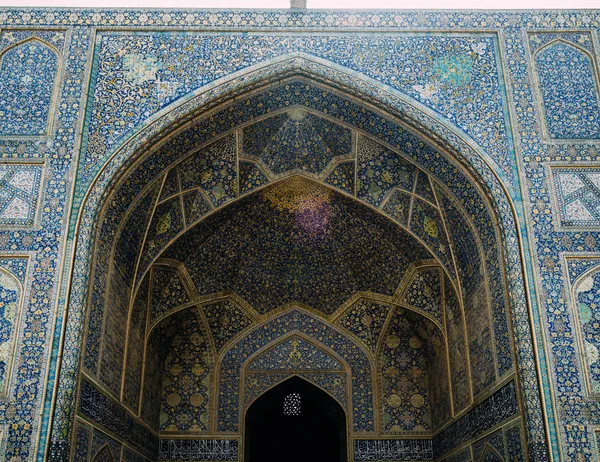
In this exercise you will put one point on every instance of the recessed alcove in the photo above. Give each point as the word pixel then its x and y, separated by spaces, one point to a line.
pixel 297 247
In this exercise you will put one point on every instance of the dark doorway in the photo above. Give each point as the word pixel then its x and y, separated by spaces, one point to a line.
pixel 296 422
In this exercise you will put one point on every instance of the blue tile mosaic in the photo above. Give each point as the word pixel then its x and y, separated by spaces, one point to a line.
pixel 169 291
pixel 441 78
pixel 492 445
pixel 195 206
pixel 587 312
pixel 342 177
pixel 397 206
pixel 352 248
pixel 11 298
pixel 170 186
pixel 334 384
pixel 213 170
pixel 113 417
pixel 315 329
pixel 250 177
pixel 104 448
pixel 568 83
pixel 365 319
pixel 492 411
pixel 424 292
pixel 83 435
pixel 132 383
pixel 226 319
pixel 295 354
pixel 514 442
pixel 296 140
pixel 379 170
pixel 457 348
pixel 405 397
pixel 28 72
pixel 16 266
pixel 453 92
pixel 185 395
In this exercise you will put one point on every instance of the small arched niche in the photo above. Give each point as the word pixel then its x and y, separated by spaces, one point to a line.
pixel 295 421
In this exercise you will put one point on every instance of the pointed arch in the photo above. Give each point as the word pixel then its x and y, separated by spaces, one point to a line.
pixel 567 78
pixel 229 366
pixel 104 454
pixel 266 368
pixel 490 454
pixel 28 72
pixel 585 293
pixel 459 149
pixel 11 296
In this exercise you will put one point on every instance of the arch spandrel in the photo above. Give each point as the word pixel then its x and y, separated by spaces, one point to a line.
pixel 471 64
pixel 302 322
pixel 296 355
pixel 487 179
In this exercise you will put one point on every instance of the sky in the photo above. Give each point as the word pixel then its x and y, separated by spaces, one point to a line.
pixel 315 4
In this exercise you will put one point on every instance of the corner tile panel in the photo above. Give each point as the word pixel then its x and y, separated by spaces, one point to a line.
pixel 577 195
pixel 20 185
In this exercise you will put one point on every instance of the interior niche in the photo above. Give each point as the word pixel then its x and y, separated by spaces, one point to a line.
pixel 244 264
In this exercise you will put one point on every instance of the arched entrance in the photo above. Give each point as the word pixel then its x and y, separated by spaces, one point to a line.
pixel 297 421
pixel 386 202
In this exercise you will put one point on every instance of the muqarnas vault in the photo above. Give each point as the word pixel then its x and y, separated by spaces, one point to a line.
pixel 384 221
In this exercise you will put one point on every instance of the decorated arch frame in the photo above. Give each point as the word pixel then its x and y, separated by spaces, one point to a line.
pixel 368 90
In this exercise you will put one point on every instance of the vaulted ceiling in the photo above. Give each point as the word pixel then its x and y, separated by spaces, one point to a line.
pixel 297 241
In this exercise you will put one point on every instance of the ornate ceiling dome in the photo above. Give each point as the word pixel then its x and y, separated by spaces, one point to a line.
pixel 296 241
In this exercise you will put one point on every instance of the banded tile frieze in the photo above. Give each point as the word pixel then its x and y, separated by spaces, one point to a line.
pixel 112 416
pixel 393 450
pixel 492 411
pixel 199 449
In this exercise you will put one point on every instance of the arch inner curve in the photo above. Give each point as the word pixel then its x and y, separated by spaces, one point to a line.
pixel 300 198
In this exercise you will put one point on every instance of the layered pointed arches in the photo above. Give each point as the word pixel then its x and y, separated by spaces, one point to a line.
pixel 385 150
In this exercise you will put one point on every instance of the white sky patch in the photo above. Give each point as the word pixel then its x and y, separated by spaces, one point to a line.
pixel 312 4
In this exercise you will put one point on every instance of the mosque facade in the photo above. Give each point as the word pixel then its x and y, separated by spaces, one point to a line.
pixel 253 235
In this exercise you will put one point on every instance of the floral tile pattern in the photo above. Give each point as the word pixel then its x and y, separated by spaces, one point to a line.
pixel 28 72
pixel 11 299
pixel 568 82
pixel 498 108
